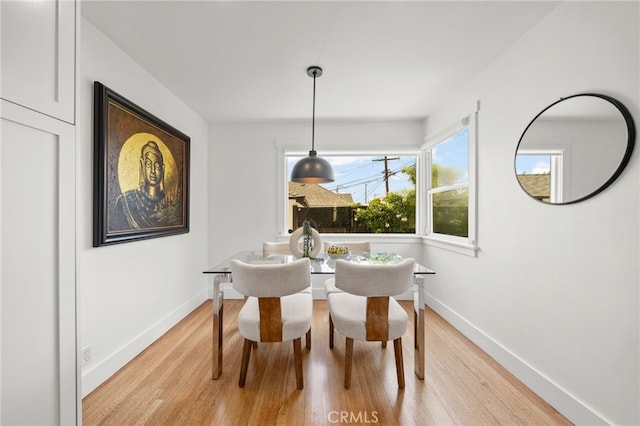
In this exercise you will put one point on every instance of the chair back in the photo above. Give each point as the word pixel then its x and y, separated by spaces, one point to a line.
pixel 271 280
pixel 354 247
pixel 276 247
pixel 374 280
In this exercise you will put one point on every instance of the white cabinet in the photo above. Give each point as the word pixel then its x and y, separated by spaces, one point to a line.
pixel 37 249
pixel 38 56
pixel 39 375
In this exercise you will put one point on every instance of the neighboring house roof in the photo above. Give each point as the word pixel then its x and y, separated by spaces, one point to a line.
pixel 537 185
pixel 313 195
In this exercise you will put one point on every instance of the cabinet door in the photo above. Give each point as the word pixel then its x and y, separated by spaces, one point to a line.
pixel 38 55
pixel 38 370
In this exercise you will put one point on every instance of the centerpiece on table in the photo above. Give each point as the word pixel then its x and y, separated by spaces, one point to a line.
pixel 338 252
pixel 311 241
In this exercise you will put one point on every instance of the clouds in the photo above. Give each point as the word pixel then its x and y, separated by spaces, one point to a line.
pixel 533 164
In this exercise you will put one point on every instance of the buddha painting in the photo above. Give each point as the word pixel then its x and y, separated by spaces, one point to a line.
pixel 141 172
pixel 149 198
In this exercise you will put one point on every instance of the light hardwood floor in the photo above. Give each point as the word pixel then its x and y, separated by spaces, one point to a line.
pixel 170 382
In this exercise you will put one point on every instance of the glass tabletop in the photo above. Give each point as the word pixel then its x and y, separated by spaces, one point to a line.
pixel 320 265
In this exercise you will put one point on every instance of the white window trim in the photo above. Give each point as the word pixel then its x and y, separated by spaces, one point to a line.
pixel 557 173
pixel 463 245
pixel 285 150
pixel 559 154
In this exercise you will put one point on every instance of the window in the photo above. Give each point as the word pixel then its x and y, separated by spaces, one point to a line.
pixel 540 174
pixel 450 187
pixel 372 193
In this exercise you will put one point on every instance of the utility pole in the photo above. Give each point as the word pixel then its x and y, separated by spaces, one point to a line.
pixel 386 170
pixel 366 198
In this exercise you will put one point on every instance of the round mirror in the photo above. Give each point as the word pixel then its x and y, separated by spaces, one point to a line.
pixel 574 148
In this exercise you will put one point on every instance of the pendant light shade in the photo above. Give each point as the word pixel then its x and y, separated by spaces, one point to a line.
pixel 312 169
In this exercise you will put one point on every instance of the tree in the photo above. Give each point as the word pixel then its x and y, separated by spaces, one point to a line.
pixel 411 172
pixel 450 208
pixel 443 176
pixel 394 213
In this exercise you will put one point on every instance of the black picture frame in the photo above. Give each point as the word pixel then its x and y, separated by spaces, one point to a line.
pixel 141 173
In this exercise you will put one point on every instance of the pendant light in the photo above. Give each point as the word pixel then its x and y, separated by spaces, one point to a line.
pixel 312 169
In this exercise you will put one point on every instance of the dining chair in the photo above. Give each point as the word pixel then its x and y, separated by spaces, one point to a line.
pixel 365 310
pixel 354 247
pixel 277 308
pixel 276 247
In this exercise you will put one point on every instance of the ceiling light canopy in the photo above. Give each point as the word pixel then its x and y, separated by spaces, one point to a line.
pixel 312 169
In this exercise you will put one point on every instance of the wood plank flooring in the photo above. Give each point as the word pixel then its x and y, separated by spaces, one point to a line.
pixel 170 382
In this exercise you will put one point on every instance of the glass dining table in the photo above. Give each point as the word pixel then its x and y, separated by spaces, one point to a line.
pixel 221 274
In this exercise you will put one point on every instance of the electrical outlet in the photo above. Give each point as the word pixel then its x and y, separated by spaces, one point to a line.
pixel 86 355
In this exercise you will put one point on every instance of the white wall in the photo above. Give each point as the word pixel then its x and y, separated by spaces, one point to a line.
pixel 553 293
pixel 243 178
pixel 131 293
pixel 245 214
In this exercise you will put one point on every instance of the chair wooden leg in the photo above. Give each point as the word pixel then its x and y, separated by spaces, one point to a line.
pixel 246 353
pixel 348 361
pixel 308 339
pixel 297 356
pixel 330 333
pixel 415 329
pixel 397 345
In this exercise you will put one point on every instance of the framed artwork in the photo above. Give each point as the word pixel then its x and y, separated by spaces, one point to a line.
pixel 141 173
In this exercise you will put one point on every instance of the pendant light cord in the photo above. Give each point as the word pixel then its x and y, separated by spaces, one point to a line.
pixel 313 120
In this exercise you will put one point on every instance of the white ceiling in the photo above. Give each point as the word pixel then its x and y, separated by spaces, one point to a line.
pixel 238 60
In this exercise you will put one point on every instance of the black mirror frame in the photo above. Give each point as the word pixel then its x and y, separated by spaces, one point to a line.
pixel 631 132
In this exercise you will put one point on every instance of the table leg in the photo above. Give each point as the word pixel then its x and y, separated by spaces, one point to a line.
pixel 419 326
pixel 218 310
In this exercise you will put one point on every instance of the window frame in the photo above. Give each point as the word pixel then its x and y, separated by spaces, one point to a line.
pixel 558 156
pixel 464 245
pixel 286 150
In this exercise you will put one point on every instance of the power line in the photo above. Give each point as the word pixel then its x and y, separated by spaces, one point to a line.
pixel 386 170
pixel 371 182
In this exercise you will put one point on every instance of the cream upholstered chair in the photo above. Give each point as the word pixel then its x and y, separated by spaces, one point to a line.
pixel 277 308
pixel 276 247
pixel 364 310
pixel 354 247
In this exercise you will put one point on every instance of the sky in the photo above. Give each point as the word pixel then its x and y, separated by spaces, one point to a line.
pixel 363 176
pixel 532 164
pixel 453 152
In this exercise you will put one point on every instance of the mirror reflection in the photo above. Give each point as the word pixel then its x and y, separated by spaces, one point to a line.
pixel 574 148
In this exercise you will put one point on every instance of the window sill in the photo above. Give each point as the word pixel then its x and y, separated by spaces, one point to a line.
pixel 454 246
pixel 387 238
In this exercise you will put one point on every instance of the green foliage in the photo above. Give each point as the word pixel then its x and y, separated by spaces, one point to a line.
pixel 451 212
pixel 394 213
pixel 444 176
pixel 411 172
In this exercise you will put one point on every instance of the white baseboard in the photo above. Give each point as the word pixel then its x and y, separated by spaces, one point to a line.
pixel 569 406
pixel 318 293
pixel 94 375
